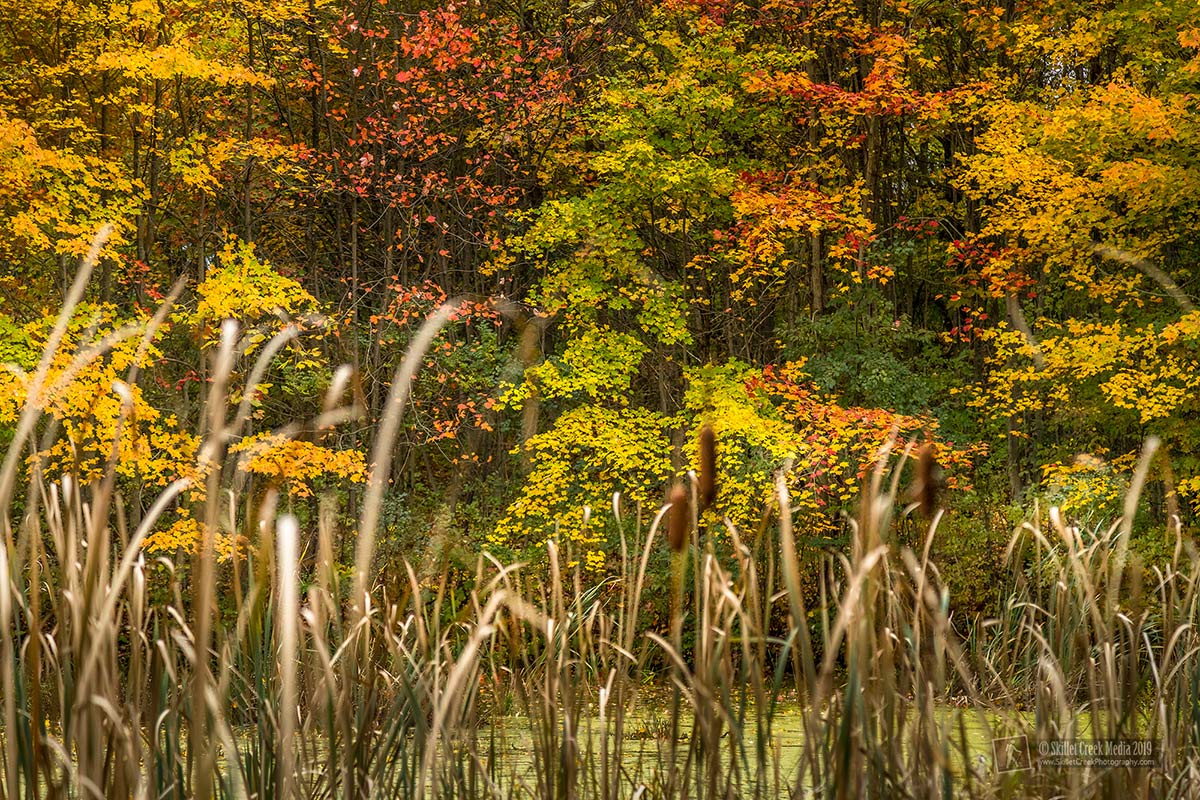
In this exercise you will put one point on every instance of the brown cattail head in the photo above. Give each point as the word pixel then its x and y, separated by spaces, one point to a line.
pixel 708 467
pixel 929 479
pixel 677 517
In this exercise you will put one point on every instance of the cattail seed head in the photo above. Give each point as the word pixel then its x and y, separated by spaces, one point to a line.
pixel 677 517
pixel 708 467
pixel 929 478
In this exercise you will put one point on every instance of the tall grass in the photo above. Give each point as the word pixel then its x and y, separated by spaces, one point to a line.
pixel 542 685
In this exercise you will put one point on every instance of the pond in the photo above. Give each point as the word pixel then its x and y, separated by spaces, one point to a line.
pixel 513 746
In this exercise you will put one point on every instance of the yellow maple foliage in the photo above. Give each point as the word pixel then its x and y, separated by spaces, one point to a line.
pixel 295 464
pixel 81 392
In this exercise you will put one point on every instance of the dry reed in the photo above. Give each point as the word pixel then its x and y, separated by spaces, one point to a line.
pixel 535 685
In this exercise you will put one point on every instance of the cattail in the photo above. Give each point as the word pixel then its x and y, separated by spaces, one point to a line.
pixel 929 478
pixel 708 467
pixel 677 520
pixel 288 627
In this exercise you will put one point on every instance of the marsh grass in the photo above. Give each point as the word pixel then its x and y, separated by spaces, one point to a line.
pixel 541 684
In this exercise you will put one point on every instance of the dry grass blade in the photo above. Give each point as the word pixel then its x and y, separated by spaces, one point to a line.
pixel 1130 510
pixel 203 608
pixel 385 441
pixel 29 414
pixel 288 624
pixel 1151 271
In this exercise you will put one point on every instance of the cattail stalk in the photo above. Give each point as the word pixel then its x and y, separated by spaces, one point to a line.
pixel 203 764
pixel 708 468
pixel 678 518
pixel 288 623
pixel 928 481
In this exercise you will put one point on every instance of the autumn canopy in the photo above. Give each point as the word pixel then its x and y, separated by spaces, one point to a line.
pixel 816 227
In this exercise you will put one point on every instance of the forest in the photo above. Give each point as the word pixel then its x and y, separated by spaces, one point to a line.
pixel 407 399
